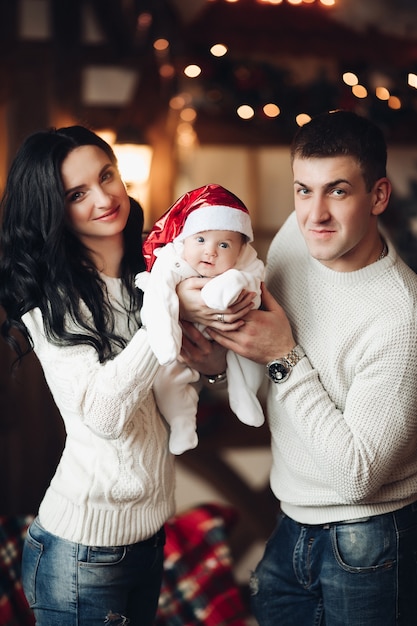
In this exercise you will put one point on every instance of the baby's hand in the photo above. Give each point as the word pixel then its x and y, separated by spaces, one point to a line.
pixel 193 309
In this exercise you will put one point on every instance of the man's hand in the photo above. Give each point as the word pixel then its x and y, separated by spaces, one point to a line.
pixel 203 355
pixel 265 335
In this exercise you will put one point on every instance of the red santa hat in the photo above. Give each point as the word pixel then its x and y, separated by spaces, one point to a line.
pixel 211 207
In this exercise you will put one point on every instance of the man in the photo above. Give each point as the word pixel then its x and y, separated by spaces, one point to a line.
pixel 341 355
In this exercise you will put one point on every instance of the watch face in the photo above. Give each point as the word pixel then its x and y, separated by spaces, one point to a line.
pixel 278 372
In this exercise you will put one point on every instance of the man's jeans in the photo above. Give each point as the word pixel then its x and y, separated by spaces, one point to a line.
pixel 69 584
pixel 360 573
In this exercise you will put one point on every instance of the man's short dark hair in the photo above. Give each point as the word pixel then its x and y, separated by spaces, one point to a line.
pixel 344 133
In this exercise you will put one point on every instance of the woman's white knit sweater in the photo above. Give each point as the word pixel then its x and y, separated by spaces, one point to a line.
pixel 344 425
pixel 114 484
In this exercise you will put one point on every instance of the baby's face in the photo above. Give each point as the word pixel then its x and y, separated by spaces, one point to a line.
pixel 212 252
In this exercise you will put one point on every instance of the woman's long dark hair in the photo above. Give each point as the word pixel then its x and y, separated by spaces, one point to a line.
pixel 43 264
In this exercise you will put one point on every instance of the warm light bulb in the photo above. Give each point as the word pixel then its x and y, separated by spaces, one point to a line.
pixel 302 118
pixel 144 20
pixel 394 103
pixel 350 79
pixel 188 115
pixel 245 112
pixel 167 70
pixel 359 91
pixel 271 110
pixel 218 50
pixel 192 71
pixel 161 44
pixel 177 102
pixel 412 80
pixel 382 93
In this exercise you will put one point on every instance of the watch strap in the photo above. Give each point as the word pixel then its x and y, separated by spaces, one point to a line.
pixel 296 354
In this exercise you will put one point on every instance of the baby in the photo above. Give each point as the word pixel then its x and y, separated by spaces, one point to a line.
pixel 206 232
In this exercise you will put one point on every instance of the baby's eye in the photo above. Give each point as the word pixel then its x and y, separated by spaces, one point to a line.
pixel 223 244
pixel 200 239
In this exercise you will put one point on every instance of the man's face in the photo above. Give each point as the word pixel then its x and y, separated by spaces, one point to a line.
pixel 336 214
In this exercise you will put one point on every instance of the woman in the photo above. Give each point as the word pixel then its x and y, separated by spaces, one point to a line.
pixel 70 248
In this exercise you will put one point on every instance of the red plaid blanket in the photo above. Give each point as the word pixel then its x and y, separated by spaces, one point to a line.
pixel 198 588
pixel 14 610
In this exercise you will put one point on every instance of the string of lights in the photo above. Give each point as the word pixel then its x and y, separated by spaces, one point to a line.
pixel 220 81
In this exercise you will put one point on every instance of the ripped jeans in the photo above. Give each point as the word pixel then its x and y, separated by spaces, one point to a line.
pixel 69 584
pixel 359 573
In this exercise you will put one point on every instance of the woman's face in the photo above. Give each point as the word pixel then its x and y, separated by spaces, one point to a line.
pixel 97 204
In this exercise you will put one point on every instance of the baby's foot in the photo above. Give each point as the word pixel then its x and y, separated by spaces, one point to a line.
pixel 180 441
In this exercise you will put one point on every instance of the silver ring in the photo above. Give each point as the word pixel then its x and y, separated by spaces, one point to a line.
pixel 220 317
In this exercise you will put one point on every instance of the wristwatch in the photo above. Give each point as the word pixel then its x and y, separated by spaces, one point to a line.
pixel 279 370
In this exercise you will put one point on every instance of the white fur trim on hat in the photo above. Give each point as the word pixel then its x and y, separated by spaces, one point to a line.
pixel 217 218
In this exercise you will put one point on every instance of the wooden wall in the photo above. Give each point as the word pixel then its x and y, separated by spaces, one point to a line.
pixel 31 435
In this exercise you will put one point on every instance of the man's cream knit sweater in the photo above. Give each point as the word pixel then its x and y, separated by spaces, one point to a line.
pixel 344 425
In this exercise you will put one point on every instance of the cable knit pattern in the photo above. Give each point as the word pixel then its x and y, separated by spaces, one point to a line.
pixel 114 484
pixel 344 426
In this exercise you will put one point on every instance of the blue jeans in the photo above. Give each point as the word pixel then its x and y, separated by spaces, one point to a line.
pixel 69 584
pixel 361 573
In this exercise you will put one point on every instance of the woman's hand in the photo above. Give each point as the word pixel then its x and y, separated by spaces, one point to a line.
pixel 203 355
pixel 193 309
